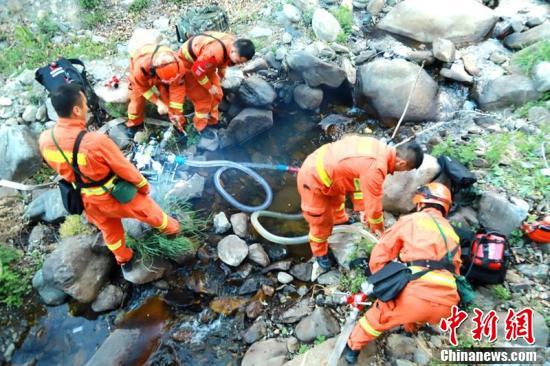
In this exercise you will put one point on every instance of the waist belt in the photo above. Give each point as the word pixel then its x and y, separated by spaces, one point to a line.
pixel 320 166
pixel 99 190
pixel 440 278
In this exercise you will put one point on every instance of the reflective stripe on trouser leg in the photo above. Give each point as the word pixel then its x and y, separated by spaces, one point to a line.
pixel 320 228
pixel 200 120
pixel 113 236
pixel 136 109
pixel 339 210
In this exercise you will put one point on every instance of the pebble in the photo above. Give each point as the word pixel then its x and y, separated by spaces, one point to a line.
pixel 5 102
pixel 284 277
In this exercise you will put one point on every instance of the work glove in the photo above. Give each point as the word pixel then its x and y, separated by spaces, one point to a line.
pixel 145 189
pixel 162 108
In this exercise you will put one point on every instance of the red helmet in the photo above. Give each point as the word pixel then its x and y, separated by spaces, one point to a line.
pixel 168 66
pixel 539 231
pixel 434 193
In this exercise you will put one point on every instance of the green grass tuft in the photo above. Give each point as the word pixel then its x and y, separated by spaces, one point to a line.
pixel 73 226
pixel 15 276
pixel 89 4
pixel 319 339
pixel 345 18
pixel 138 5
pixel 543 101
pixel 501 292
pixel 527 58
pixel 304 348
pixel 352 280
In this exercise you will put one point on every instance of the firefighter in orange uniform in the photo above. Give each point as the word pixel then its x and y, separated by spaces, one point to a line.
pixel 355 165
pixel 102 161
pixel 156 75
pixel 420 239
pixel 206 56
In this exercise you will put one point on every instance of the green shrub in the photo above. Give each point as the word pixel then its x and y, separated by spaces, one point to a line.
pixel 89 4
pixel 501 292
pixel 44 175
pixel 527 58
pixel 15 279
pixel 304 348
pixel 93 18
pixel 73 226
pixel 47 26
pixel 465 153
pixel 138 5
pixel 116 110
pixel 345 18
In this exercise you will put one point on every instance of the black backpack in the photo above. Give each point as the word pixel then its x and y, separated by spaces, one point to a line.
pixel 63 71
pixel 458 175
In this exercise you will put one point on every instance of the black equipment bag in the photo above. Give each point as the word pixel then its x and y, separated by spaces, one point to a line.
pixel 458 174
pixel 389 281
pixel 64 71
pixel 70 193
pixel 487 259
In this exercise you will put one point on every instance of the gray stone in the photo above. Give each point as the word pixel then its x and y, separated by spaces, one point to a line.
pixel 496 213
pixel 527 38
pixel 19 153
pixel 187 189
pixel 108 299
pixel 350 70
pixel 292 13
pixel 255 332
pixel 246 125
pixel 302 271
pixel 292 344
pixel 334 121
pixel 47 207
pixel 444 50
pixel 535 19
pixel 421 357
pixel 251 285
pixel 287 38
pixel 5 102
pixel 271 352
pixel 49 294
pixel 507 91
pixel 403 363
pixel 119 348
pixel 135 228
pixel 325 25
pixel 296 312
pixel 119 134
pixel 239 222
pixel 257 254
pixel 232 250
pixel 329 278
pixel 76 269
pixel 535 271
pixel 41 113
pixel 284 278
pixel 375 6
pixel 458 73
pixel 502 29
pixel 320 323
pixel 256 92
pixel 260 32
pixel 52 114
pixel 539 115
pixel 29 114
pixel 399 188
pixel 364 56
pixel 40 236
pixel 541 76
pixel 342 245
pixel 278 266
pixel 308 98
pixel 306 4
pixel 26 77
pixel 378 79
pixel 142 273
pixel 400 346
pixel 209 141
pixel 498 58
pixel 315 71
pixel 468 23
pixel 319 354
pixel 221 223
pixel 258 64
pixel 233 79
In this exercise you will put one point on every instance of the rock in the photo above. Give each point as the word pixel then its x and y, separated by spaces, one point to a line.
pixel 144 273
pixel 49 294
pixel 260 32
pixel 458 73
pixel 375 6
pixel 254 309
pixel 400 187
pixel 41 113
pixel 320 323
pixel 188 189
pixel 470 65
pixel 47 207
pixel 256 92
pixel 232 250
pixel 135 228
pixel 40 237
pixel 268 290
pixel 251 285
pixel 257 254
pixel 468 23
pixel 255 332
pixel 287 38
pixel 221 223
pixel 498 58
pixel 315 71
pixel 496 213
pixel 316 271
pixel 539 115
pixel 5 102
pixel 233 79
pixel 334 121
pixel 108 299
pixel 227 305
pixel 465 216
pixel 349 69
pixel 239 221
pixel 404 363
pixel 541 76
pixel 246 125
pixel 209 141
pixel 421 357
pixel 278 266
pixel 502 29
pixel 535 19
pixel 296 312
pixel 30 113
pixel 76 269
pixel 400 346
pixel 506 91
pixel 319 354
pixel 255 65
pixel 377 80
pixel 306 4
pixel 302 271
pixel 271 352
pixel 535 271
pixel 141 37
pixel 19 153
pixel 292 344
pixel 292 13
pixel 443 50
pixel 50 111
pixel 119 135
pixel 117 95
pixel 26 77
pixel 119 348
pixel 308 98
pixel 284 278
pixel 325 25
pixel 329 278
pixel 527 38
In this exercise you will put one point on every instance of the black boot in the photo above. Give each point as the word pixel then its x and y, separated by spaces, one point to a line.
pixel 324 262
pixel 350 355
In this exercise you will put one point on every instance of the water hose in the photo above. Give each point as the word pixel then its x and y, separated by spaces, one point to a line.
pixel 254 219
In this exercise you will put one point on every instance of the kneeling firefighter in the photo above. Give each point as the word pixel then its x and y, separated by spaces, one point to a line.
pixel 99 161
pixel 426 242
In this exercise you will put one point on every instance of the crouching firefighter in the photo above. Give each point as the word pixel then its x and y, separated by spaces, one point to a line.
pixel 428 245
pixel 99 160
pixel 355 165
pixel 156 75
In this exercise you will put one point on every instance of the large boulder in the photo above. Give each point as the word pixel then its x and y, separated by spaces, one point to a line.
pixel 19 153
pixel 232 250
pixel 315 71
pixel 308 98
pixel 247 124
pixel 325 25
pixel 187 189
pixel 141 273
pixel 399 187
pixel 141 37
pixel 426 20
pixel 47 207
pixel 497 213
pixel 384 86
pixel 256 92
pixel 49 294
pixel 319 354
pixel 541 76
pixel 527 38
pixel 119 348
pixel 342 245
pixel 76 269
pixel 320 323
pixel 271 352
pixel 109 298
pixel 506 91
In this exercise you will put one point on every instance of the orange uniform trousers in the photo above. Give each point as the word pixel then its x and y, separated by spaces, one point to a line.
pixel 136 107
pixel 407 309
pixel 206 106
pixel 107 213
